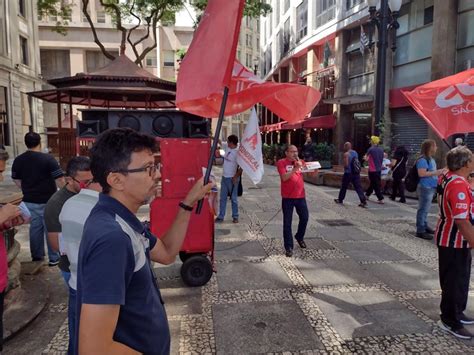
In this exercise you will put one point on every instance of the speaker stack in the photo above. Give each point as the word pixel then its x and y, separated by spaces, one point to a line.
pixel 158 123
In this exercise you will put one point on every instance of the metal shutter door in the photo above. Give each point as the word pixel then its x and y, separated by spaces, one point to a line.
pixel 470 141
pixel 408 129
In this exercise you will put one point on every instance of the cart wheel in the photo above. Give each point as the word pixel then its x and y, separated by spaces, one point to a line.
pixel 196 270
pixel 183 256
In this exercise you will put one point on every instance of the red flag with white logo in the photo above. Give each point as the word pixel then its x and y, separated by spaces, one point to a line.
pixel 290 102
pixel 446 104
pixel 207 66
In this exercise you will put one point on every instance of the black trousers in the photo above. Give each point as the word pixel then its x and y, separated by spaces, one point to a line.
pixel 375 185
pixel 348 178
pixel 398 188
pixel 454 276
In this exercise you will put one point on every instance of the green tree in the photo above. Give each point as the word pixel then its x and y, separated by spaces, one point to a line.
pixel 130 15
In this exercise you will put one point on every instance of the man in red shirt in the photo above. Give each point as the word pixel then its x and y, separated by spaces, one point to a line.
pixel 293 196
pixel 455 237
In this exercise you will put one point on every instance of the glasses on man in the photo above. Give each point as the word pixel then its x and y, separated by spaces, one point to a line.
pixel 151 169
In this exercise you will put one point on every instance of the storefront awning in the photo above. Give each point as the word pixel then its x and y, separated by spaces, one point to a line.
pixel 271 127
pixel 349 100
pixel 327 122
pixel 288 126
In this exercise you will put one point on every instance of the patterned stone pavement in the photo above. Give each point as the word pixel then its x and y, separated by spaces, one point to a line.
pixel 365 285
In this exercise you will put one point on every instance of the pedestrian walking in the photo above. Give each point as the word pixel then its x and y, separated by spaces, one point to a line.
pixel 428 174
pixel 10 216
pixel 351 175
pixel 120 309
pixel 38 175
pixel 78 176
pixel 308 150
pixel 399 163
pixel 230 180
pixel 374 157
pixel 455 238
pixel 293 197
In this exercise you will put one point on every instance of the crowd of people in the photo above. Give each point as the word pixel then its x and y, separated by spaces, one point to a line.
pixel 105 252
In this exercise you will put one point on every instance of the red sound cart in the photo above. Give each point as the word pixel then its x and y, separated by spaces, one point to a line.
pixel 182 161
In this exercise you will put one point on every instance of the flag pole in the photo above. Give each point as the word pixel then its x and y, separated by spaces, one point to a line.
pixel 214 144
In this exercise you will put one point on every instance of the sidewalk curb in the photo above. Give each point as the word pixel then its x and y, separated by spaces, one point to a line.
pixel 24 304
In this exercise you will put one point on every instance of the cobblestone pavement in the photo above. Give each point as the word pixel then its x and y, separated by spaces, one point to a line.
pixel 365 284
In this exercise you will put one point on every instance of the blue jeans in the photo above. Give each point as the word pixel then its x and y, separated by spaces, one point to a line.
pixel 287 205
pixel 38 233
pixel 425 198
pixel 71 312
pixel 228 187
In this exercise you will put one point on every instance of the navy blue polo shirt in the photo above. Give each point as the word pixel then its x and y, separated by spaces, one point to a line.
pixel 114 268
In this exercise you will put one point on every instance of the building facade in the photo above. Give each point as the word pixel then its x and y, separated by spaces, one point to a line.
pixel 318 43
pixel 19 74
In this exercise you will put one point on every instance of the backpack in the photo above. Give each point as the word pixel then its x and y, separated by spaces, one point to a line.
pixel 412 179
pixel 355 166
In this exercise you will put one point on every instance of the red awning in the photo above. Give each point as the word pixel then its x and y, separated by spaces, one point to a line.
pixel 327 122
pixel 289 126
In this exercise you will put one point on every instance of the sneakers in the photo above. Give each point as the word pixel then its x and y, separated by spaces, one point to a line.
pixel 337 201
pixel 37 259
pixel 235 220
pixel 363 204
pixel 402 201
pixel 466 320
pixel 53 263
pixel 424 235
pixel 302 244
pixel 380 202
pixel 218 220
pixel 289 253
pixel 461 333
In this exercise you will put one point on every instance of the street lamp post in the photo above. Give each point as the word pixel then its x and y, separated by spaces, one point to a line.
pixel 383 16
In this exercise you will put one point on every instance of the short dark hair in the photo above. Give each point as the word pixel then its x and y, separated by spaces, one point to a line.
pixel 32 139
pixel 233 139
pixel 113 149
pixel 78 164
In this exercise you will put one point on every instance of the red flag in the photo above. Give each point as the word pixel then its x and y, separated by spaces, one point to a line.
pixel 207 67
pixel 290 102
pixel 446 104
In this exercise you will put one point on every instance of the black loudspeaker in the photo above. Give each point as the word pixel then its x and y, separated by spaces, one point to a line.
pixel 158 123
pixel 88 129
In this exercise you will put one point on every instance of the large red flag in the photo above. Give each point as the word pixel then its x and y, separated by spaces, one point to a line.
pixel 207 67
pixel 290 102
pixel 446 104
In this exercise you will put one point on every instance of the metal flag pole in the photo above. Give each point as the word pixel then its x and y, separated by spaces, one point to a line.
pixel 214 144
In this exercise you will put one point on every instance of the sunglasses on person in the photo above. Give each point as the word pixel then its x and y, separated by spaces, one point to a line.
pixel 83 183
pixel 151 169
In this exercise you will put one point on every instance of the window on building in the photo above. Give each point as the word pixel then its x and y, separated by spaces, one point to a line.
pixel 96 60
pixel 286 36
pixel 248 40
pixel 302 20
pixel 258 43
pixel 151 59
pixel 100 16
pixel 25 109
pixel 248 61
pixel 465 39
pixel 168 58
pixel 3 29
pixel 428 15
pixel 4 131
pixel 83 17
pixel 22 8
pixel 24 55
pixel 351 3
pixel 248 21
pixel 55 63
pixel 325 11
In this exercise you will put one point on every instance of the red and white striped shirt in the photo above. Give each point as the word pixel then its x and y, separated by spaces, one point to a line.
pixel 456 202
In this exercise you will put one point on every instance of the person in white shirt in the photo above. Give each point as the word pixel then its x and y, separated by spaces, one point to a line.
pixel 230 180
pixel 72 218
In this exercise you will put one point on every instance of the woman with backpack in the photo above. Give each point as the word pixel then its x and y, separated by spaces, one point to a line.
pixel 399 163
pixel 428 174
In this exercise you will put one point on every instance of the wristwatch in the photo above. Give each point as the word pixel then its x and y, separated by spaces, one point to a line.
pixel 185 206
